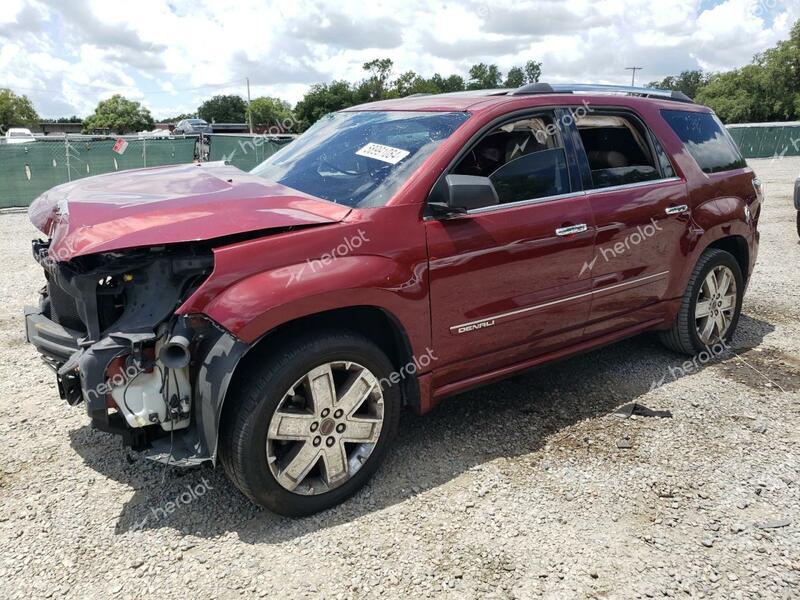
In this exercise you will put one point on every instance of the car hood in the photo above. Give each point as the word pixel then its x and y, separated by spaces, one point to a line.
pixel 167 205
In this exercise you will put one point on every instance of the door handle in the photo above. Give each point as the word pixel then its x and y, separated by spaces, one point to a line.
pixel 572 229
pixel 676 210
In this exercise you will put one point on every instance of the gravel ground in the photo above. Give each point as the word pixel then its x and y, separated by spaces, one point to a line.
pixel 531 487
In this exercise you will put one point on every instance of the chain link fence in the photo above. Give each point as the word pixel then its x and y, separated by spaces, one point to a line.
pixel 29 169
pixel 767 140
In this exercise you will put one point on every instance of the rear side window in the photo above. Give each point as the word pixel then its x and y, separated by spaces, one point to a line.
pixel 617 149
pixel 706 140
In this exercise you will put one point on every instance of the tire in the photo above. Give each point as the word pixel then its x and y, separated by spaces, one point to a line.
pixel 798 223
pixel 263 408
pixel 684 336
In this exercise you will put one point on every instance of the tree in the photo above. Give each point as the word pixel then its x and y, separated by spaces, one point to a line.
pixel 223 109
pixel 454 83
pixel 410 83
pixel 272 112
pixel 178 118
pixel 688 82
pixel 483 76
pixel 514 78
pixel 120 115
pixel 533 71
pixel 380 71
pixel 16 111
pixel 321 99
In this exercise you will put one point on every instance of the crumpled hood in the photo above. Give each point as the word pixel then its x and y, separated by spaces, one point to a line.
pixel 166 205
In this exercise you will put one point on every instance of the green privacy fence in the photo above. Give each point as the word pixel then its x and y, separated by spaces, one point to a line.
pixel 767 140
pixel 244 151
pixel 27 170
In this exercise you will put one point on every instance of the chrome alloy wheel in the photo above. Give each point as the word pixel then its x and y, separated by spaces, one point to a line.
pixel 716 305
pixel 325 428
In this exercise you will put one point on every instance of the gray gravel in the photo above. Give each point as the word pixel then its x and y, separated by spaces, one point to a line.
pixel 531 487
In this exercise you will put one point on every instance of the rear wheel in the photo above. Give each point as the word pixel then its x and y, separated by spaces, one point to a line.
pixel 312 425
pixel 709 312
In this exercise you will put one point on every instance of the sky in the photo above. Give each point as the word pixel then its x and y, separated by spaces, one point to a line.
pixel 66 55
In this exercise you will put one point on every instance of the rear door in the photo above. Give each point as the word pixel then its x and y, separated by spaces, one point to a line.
pixel 505 280
pixel 641 212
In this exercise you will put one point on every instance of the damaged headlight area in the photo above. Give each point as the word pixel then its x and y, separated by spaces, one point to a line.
pixel 106 324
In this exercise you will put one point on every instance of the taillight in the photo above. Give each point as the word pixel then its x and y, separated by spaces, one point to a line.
pixel 758 188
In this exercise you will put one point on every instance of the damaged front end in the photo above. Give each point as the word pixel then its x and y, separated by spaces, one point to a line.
pixel 107 325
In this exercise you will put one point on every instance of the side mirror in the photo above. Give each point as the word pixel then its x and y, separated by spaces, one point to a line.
pixel 458 194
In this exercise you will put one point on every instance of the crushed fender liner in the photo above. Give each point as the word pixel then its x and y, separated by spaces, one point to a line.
pixel 221 353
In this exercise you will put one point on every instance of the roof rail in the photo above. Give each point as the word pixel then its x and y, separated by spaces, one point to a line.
pixel 572 88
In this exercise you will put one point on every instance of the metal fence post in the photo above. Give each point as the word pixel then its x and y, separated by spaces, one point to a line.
pixel 144 150
pixel 66 150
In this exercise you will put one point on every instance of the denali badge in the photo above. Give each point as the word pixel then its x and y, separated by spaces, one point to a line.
pixel 474 326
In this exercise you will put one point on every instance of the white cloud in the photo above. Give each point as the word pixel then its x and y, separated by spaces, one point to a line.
pixel 171 55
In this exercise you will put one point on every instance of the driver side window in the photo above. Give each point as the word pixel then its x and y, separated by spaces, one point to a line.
pixel 524 159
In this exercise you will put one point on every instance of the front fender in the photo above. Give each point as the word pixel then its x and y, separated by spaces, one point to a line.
pixel 260 302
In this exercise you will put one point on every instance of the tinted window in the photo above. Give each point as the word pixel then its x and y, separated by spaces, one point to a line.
pixel 524 159
pixel 359 158
pixel 617 149
pixel 706 140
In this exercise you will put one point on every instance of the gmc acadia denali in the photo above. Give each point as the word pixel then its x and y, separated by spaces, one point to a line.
pixel 398 252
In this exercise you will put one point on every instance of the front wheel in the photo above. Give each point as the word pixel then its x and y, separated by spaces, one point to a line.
pixel 712 303
pixel 313 423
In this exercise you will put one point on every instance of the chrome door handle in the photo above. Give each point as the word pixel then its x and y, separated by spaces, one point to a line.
pixel 572 229
pixel 676 210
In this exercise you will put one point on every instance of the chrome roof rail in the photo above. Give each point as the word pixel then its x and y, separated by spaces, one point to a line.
pixel 573 88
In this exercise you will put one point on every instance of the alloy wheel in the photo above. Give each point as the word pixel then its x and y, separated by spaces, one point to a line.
pixel 325 428
pixel 716 305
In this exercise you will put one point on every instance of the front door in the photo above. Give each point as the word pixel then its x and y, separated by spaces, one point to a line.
pixel 506 281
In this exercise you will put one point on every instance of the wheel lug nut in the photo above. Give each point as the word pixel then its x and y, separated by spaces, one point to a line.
pixel 340 428
pixel 317 441
pixel 314 426
pixel 330 442
pixel 325 412
pixel 338 414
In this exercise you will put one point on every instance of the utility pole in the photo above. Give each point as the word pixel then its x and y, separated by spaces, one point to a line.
pixel 249 112
pixel 633 74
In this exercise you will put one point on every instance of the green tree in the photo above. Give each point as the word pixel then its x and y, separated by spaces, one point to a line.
pixel 272 112
pixel 321 99
pixel 120 115
pixel 483 77
pixel 688 82
pixel 411 83
pixel 380 71
pixel 454 83
pixel 16 111
pixel 533 71
pixel 515 78
pixel 223 109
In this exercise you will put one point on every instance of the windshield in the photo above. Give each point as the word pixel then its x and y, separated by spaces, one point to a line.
pixel 359 159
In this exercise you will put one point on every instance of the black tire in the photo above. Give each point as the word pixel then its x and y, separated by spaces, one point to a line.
pixel 682 337
pixel 243 435
pixel 798 223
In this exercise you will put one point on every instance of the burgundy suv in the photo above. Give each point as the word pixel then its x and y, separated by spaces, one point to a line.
pixel 398 252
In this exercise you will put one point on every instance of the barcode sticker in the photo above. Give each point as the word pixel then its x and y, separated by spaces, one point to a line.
pixel 387 154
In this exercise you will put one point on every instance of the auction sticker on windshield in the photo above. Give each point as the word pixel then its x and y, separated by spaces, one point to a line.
pixel 387 154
